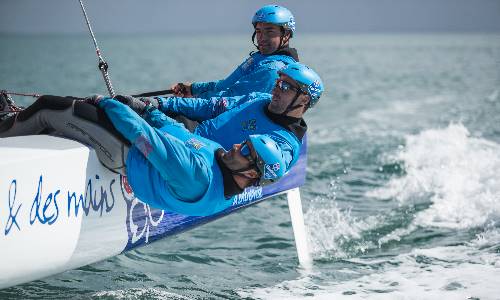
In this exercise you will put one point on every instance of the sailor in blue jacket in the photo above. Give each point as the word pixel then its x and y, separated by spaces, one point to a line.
pixel 167 166
pixel 274 27
pixel 230 119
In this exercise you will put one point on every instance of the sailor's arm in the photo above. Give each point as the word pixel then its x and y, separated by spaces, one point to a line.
pixel 203 88
pixel 194 108
pixel 199 109
pixel 262 80
pixel 176 163
pixel 212 88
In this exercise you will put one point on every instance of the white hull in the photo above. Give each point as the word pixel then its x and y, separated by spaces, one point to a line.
pixel 44 194
pixel 61 209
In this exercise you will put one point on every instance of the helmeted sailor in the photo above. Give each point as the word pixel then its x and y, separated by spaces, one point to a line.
pixel 274 27
pixel 167 166
pixel 227 120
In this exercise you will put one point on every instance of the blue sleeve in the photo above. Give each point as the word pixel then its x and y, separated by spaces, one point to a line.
pixel 261 80
pixel 168 155
pixel 212 88
pixel 199 109
pixel 157 119
pixel 199 88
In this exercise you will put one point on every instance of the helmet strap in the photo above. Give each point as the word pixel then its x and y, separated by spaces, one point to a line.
pixel 281 43
pixel 282 37
pixel 231 185
pixel 290 106
pixel 241 173
pixel 253 40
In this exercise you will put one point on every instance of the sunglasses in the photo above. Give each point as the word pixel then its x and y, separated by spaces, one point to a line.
pixel 255 163
pixel 245 151
pixel 285 86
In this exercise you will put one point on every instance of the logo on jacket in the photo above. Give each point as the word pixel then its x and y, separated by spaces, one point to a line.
pixel 194 143
pixel 142 143
pixel 249 125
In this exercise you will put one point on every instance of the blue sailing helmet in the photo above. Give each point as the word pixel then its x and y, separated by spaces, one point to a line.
pixel 308 80
pixel 270 160
pixel 277 15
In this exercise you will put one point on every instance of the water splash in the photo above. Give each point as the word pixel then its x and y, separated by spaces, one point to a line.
pixel 139 293
pixel 334 232
pixel 456 172
pixel 458 272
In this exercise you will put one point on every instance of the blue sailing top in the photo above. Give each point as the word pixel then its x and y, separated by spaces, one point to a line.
pixel 258 73
pixel 167 166
pixel 230 120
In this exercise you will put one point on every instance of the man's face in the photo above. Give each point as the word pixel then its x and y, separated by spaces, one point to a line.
pixel 235 160
pixel 268 37
pixel 282 99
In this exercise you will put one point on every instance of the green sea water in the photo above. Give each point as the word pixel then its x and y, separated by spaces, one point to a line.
pixel 402 198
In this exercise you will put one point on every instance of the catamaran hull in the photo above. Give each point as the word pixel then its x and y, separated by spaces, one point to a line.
pixel 60 209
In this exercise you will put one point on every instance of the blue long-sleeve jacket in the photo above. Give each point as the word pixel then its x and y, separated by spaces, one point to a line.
pixel 230 120
pixel 167 166
pixel 258 73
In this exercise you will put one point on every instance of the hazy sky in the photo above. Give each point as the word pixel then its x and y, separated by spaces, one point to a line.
pixel 230 16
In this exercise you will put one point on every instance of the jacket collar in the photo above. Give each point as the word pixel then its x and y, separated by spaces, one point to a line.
pixel 296 125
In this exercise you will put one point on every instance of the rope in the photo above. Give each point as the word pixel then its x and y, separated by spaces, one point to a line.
pixel 20 94
pixel 155 93
pixel 103 66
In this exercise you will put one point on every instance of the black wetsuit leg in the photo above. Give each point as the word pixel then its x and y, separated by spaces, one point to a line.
pixel 73 119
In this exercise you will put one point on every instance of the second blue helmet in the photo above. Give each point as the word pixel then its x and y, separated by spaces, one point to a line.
pixel 308 80
pixel 277 15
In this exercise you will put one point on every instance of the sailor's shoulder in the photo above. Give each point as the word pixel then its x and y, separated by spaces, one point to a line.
pixel 277 60
pixel 259 97
pixel 252 59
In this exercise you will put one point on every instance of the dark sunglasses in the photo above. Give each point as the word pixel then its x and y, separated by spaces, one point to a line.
pixel 254 162
pixel 245 151
pixel 285 86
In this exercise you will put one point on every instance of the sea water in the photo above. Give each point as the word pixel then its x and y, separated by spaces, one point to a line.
pixel 402 199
